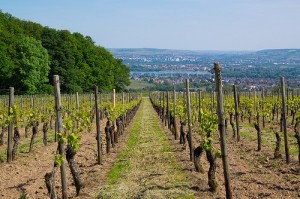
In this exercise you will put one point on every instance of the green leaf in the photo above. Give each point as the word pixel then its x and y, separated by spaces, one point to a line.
pixel 58 159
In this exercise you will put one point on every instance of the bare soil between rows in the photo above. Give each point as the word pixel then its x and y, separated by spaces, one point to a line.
pixel 254 174
pixel 25 175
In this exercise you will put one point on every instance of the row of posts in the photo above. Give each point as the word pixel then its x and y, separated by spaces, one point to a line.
pixel 59 126
pixel 221 118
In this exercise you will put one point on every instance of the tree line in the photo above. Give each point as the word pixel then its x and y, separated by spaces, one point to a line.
pixel 30 54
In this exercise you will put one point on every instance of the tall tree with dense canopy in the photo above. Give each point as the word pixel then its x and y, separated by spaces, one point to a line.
pixel 31 54
pixel 33 66
pixel 122 79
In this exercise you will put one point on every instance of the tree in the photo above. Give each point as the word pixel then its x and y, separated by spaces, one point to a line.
pixel 6 65
pixel 122 75
pixel 31 54
pixel 33 66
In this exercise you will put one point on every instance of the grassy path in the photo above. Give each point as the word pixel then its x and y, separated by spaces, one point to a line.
pixel 147 167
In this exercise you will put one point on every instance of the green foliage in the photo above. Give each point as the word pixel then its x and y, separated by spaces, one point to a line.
pixel 206 144
pixel 33 117
pixel 206 127
pixel 121 80
pixel 31 54
pixel 15 116
pixel 73 141
pixel 119 109
pixel 181 109
pixel 58 160
pixel 208 123
pixel 33 65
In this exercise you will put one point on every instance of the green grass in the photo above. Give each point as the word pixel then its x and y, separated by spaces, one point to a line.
pixel 122 164
pixel 247 135
pixel 116 172
pixel 136 84
pixel 147 167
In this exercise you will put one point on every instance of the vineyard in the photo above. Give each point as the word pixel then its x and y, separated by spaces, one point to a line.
pixel 262 124
pixel 95 145
pixel 48 131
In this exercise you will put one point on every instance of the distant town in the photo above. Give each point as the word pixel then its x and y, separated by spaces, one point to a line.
pixel 249 70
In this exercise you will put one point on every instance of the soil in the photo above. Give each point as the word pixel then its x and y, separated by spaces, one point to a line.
pixel 25 175
pixel 254 174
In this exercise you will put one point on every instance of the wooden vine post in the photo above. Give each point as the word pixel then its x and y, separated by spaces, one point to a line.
pixel 114 106
pixel 10 125
pixel 286 144
pixel 124 115
pixel 31 102
pixel 98 137
pixel 263 107
pixel 168 111
pixel 222 130
pixel 213 99
pixel 77 108
pixel 236 106
pixel 254 100
pixel 188 100
pixel 77 101
pixel 91 101
pixel 21 103
pixel 199 106
pixel 58 109
pixel 174 110
pixel 287 98
pixel 101 111
pixel 163 107
pixel 160 104
pixel 114 98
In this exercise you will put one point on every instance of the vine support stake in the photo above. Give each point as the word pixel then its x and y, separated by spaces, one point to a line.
pixel 168 112
pixel 58 109
pixel 99 147
pixel 10 126
pixel 77 101
pixel 91 101
pixel 222 130
pixel 124 115
pixel 199 106
pixel 287 98
pixel 188 100
pixel 286 144
pixel 263 106
pixel 114 98
pixel 174 110
pixel 114 105
pixel 236 107
pixel 254 100
pixel 163 107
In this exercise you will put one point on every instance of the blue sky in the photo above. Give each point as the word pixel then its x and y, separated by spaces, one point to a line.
pixel 172 24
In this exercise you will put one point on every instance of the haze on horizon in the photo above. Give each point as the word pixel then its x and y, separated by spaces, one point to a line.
pixel 171 24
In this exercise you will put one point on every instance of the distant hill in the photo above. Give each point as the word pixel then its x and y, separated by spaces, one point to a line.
pixel 273 54
pixel 280 54
pixel 155 51
pixel 270 63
